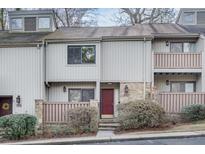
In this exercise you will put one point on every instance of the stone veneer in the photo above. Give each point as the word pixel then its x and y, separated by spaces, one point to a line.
pixel 135 91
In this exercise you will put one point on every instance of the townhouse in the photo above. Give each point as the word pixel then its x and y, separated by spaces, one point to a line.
pixel 107 65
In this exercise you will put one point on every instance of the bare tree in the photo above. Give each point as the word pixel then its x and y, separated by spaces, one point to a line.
pixel 133 16
pixel 3 18
pixel 75 17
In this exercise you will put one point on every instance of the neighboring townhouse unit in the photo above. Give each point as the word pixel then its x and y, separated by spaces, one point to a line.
pixel 108 65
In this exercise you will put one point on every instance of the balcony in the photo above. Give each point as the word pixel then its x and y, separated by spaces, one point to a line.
pixel 174 102
pixel 177 60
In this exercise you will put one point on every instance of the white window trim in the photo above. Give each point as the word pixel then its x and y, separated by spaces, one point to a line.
pixel 194 18
pixel 50 25
pixel 22 24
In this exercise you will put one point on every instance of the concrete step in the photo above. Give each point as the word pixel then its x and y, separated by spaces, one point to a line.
pixel 109 124
pixel 106 128
pixel 107 120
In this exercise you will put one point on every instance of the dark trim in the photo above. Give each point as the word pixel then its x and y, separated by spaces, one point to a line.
pixel 81 92
pixel 80 46
pixel 184 82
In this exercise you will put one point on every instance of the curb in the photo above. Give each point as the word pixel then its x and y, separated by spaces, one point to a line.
pixel 112 139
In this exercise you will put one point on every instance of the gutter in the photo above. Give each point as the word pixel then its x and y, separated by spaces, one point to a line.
pixel 144 67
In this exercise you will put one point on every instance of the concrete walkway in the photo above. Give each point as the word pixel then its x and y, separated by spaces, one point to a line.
pixel 122 137
pixel 102 133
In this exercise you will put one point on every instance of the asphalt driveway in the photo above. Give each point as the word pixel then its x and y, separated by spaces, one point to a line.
pixel 175 141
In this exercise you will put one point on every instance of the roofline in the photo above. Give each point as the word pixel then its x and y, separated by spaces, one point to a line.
pixel 194 35
pixel 177 19
pixel 22 44
pixel 30 12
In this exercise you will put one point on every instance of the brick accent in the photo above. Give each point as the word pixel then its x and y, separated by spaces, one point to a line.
pixel 135 91
pixel 39 112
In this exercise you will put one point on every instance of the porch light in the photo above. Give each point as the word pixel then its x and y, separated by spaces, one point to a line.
pixel 126 89
pixel 167 82
pixel 64 89
pixel 167 43
pixel 18 100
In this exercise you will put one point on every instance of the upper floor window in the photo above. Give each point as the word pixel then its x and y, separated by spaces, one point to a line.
pixel 44 23
pixel 30 23
pixel 188 17
pixel 201 17
pixel 182 47
pixel 16 23
pixel 81 54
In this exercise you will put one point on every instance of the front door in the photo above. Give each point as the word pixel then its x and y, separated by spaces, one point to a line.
pixel 5 105
pixel 107 100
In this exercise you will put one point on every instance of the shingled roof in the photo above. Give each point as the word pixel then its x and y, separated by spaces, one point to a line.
pixel 140 30
pixel 99 33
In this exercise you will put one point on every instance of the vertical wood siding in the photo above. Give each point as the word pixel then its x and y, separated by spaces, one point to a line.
pixel 178 60
pixel 123 61
pixel 20 75
pixel 174 102
pixel 57 68
pixel 55 112
pixel 56 90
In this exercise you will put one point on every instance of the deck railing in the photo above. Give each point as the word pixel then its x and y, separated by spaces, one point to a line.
pixel 177 60
pixel 174 102
pixel 55 112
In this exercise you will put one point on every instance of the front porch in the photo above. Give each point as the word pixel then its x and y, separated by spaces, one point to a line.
pixel 177 90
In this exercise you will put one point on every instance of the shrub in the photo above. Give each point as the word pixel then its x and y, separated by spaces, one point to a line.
pixel 83 119
pixel 140 114
pixel 17 126
pixel 193 112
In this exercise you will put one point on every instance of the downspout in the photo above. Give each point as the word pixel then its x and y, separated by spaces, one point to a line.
pixel 144 67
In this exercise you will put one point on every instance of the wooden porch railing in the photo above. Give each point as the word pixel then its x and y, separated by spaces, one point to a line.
pixel 174 102
pixel 177 60
pixel 55 112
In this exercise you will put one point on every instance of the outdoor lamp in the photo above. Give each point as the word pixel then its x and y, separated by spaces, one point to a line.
pixel 167 43
pixel 18 100
pixel 64 89
pixel 126 89
pixel 167 82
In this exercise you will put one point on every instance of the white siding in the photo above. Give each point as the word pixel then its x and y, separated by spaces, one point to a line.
pixel 160 46
pixel 56 93
pixel 57 68
pixel 123 61
pixel 20 75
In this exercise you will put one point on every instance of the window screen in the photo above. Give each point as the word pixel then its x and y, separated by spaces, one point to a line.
pixel 188 17
pixel 74 55
pixel 201 17
pixel 30 23
pixel 87 94
pixel 176 47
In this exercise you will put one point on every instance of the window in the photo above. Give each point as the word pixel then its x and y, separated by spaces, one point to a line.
pixel 201 17
pixel 176 47
pixel 188 17
pixel 16 23
pixel 182 47
pixel 44 23
pixel 189 47
pixel 80 95
pixel 81 54
pixel 183 86
pixel 30 23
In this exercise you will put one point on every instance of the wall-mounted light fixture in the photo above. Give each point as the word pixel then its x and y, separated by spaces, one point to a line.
pixel 126 90
pixel 167 82
pixel 64 89
pixel 18 100
pixel 167 43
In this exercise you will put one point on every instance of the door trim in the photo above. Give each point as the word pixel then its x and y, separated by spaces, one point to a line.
pixel 113 99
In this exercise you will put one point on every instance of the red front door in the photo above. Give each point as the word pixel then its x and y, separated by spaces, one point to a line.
pixel 5 105
pixel 107 99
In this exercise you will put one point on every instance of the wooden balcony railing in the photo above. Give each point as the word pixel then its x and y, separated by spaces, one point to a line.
pixel 177 60
pixel 55 112
pixel 174 102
